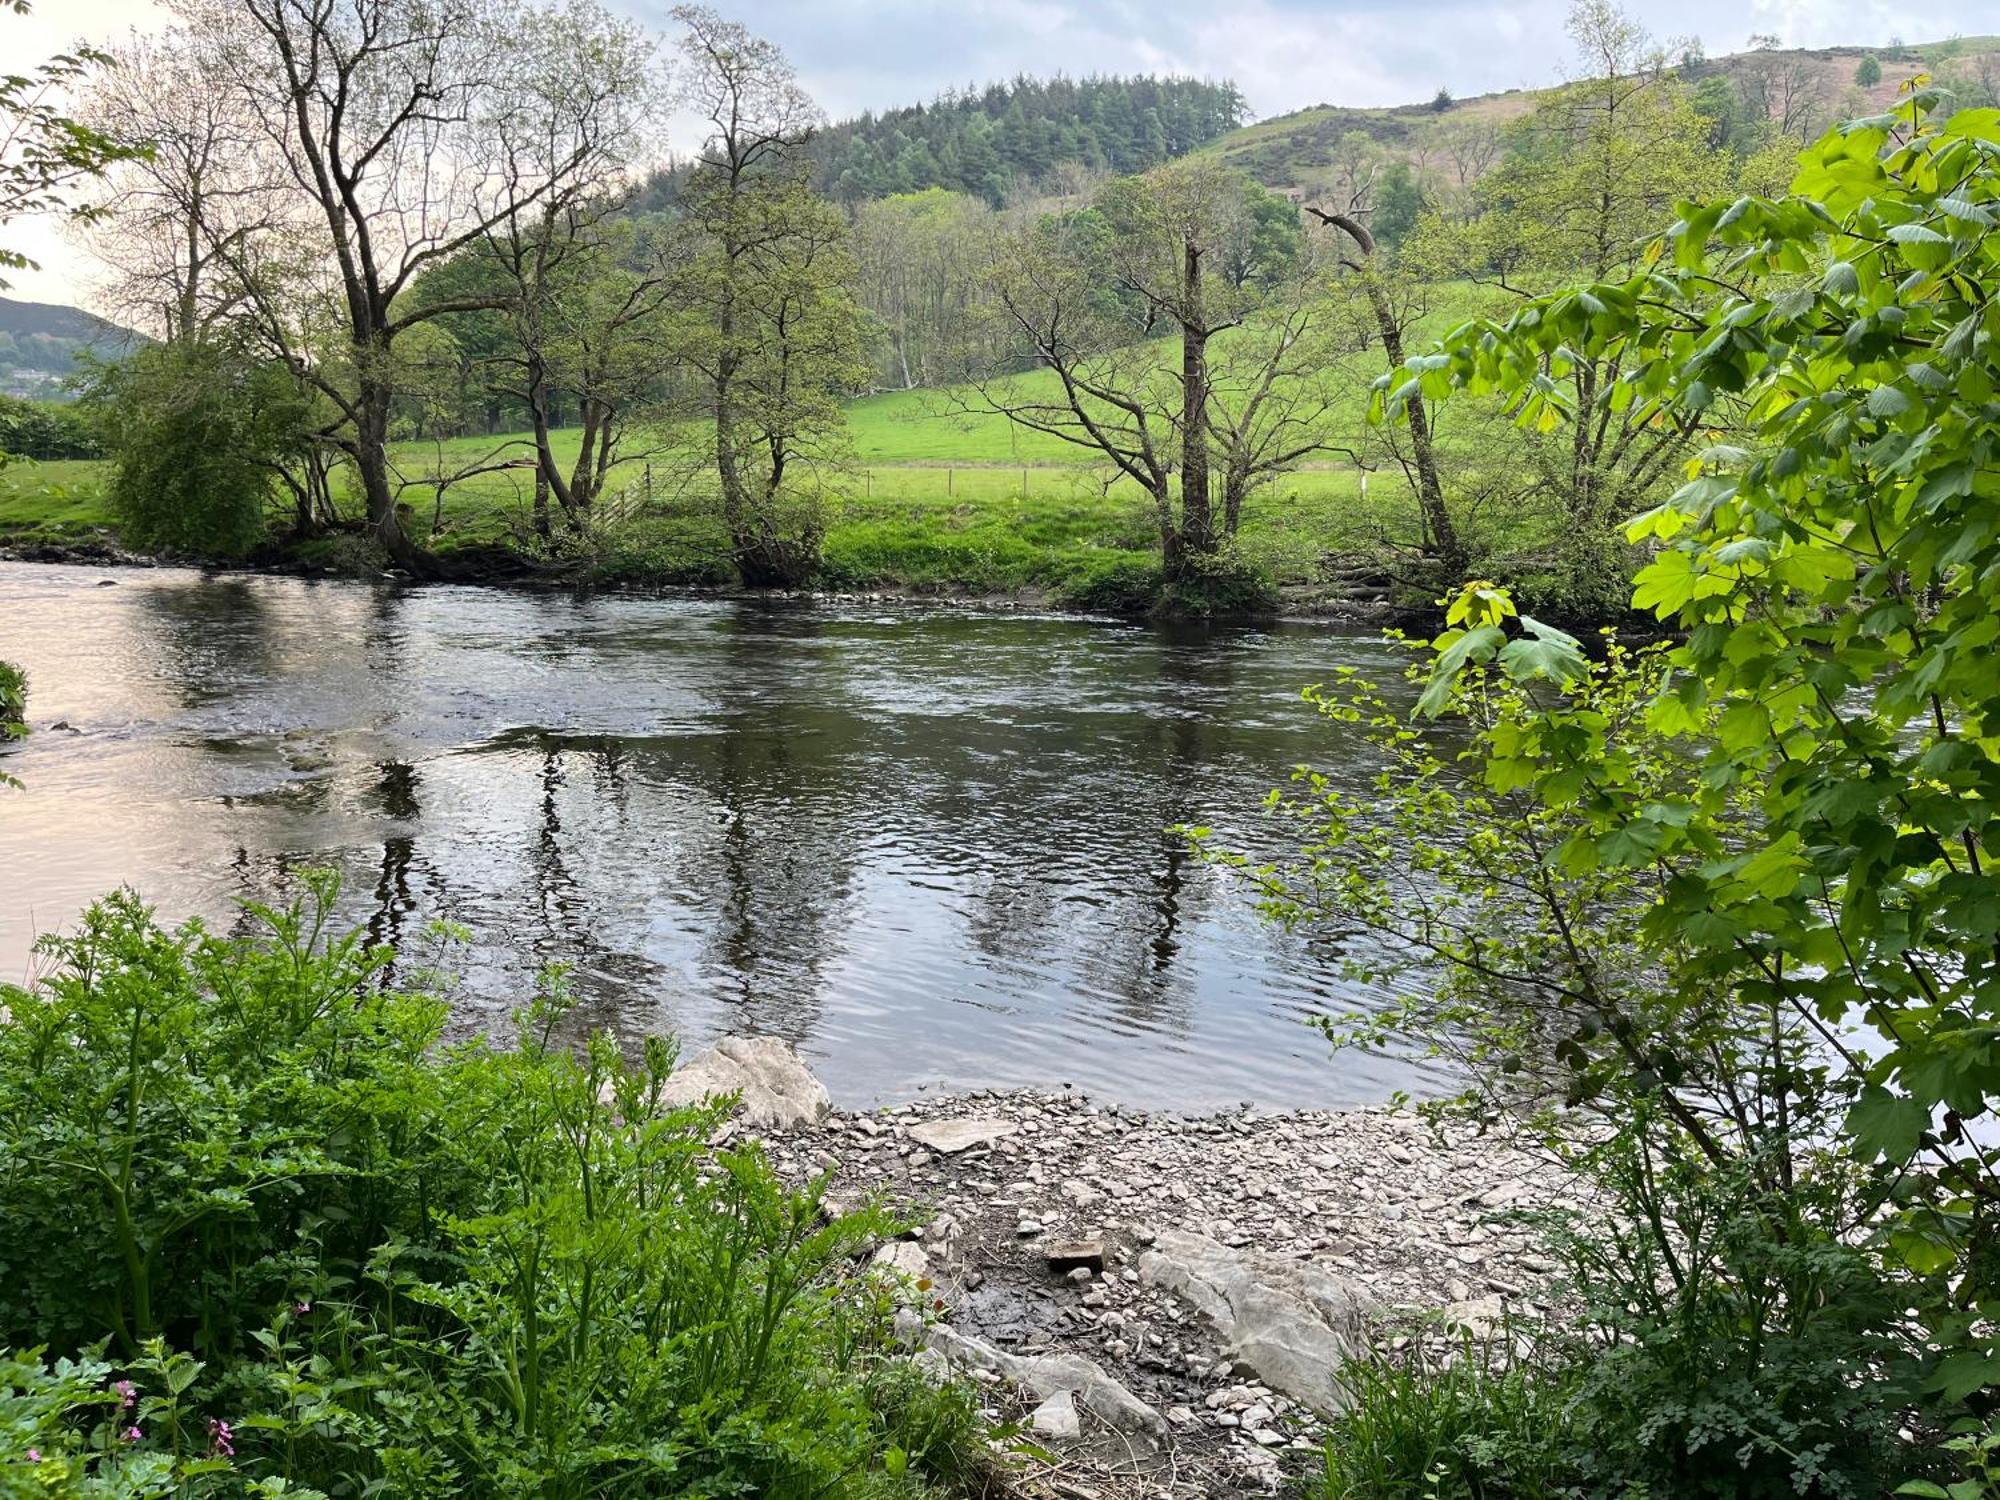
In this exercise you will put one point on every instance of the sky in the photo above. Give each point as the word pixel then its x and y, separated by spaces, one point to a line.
pixel 856 55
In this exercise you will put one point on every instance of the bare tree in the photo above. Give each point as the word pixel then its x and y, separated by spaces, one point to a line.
pixel 414 128
pixel 1788 89
pixel 1120 307
pixel 173 218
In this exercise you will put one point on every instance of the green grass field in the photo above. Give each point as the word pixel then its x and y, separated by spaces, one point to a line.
pixel 934 499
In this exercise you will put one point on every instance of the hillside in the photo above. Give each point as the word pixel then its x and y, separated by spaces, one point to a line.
pixel 1800 90
pixel 41 341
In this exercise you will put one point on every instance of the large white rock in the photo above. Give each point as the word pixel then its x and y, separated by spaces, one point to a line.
pixel 779 1091
pixel 1294 1323
pixel 949 1137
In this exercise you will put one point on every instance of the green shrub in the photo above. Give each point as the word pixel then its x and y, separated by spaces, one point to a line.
pixel 46 430
pixel 13 698
pixel 197 434
pixel 420 1270
pixel 1116 585
pixel 1224 584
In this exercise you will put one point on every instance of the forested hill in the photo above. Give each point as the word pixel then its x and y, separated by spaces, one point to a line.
pixel 986 142
pixel 40 342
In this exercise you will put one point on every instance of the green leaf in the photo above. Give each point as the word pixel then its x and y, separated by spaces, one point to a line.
pixel 1887 1125
pixel 1469 647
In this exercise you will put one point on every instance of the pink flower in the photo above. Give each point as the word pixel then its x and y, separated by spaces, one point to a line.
pixel 127 1392
pixel 301 1308
pixel 133 1434
pixel 34 1455
pixel 221 1438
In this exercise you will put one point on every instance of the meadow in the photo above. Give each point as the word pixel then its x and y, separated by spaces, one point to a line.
pixel 932 498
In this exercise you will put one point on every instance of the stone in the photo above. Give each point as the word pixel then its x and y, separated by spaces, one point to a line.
pixel 905 1257
pixel 1043 1375
pixel 949 1137
pixel 1293 1323
pixel 1068 1255
pixel 778 1090
pixel 1056 1417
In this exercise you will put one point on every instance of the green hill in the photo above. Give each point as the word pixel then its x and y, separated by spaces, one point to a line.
pixel 1800 89
pixel 40 343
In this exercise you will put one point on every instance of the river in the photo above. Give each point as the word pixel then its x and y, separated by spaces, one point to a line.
pixel 929 847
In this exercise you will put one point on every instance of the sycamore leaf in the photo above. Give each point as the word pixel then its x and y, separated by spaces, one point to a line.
pixel 1473 646
pixel 1887 1125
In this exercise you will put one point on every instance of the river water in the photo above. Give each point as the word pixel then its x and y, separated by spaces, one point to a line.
pixel 928 847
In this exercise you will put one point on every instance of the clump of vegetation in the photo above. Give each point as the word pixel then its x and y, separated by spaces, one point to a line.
pixel 13 700
pixel 270 1226
pixel 198 434
pixel 46 430
pixel 1651 903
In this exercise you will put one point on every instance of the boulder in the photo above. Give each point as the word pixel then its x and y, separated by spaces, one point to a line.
pixel 949 1137
pixel 1293 1323
pixel 779 1091
pixel 1047 1375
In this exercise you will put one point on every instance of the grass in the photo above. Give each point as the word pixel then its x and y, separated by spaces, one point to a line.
pixel 936 499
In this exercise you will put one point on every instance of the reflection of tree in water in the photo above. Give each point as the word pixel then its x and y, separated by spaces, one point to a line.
pixel 1170 759
pixel 783 772
pixel 212 636
pixel 395 791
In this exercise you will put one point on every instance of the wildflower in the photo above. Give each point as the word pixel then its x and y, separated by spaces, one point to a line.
pixel 34 1455
pixel 221 1439
pixel 127 1393
pixel 133 1434
pixel 300 1309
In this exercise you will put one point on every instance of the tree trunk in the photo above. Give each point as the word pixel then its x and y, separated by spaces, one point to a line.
pixel 1196 532
pixel 371 457
pixel 1443 535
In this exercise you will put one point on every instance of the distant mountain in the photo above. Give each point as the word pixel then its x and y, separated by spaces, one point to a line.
pixel 40 343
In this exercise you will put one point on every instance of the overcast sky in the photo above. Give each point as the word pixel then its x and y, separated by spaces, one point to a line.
pixel 1284 54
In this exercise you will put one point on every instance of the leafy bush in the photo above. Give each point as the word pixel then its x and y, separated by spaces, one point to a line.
pixel 1113 586
pixel 1655 904
pixel 197 434
pixel 1223 585
pixel 46 430
pixel 435 1271
pixel 13 698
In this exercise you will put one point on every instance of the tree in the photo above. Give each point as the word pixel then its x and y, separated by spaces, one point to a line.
pixel 1440 536
pixel 1868 72
pixel 918 255
pixel 1121 305
pixel 1824 851
pixel 1587 174
pixel 174 217
pixel 588 291
pixel 412 130
pixel 1781 90
pixel 1441 101
pixel 774 330
pixel 45 154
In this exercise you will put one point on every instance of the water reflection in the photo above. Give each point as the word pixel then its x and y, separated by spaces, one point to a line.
pixel 928 848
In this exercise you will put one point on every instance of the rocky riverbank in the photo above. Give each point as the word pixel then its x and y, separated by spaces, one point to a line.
pixel 1162 1301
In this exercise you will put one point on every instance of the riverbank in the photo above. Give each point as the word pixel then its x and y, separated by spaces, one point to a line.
pixel 1356 594
pixel 1163 1301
